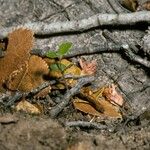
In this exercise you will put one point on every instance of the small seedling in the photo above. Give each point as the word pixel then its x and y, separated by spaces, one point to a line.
pixel 62 50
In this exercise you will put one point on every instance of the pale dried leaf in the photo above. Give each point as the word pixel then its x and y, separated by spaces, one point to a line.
pixel 28 107
pixel 88 68
pixel 112 95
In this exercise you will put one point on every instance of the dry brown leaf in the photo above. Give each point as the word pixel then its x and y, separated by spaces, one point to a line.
pixel 112 95
pixel 130 4
pixel 85 107
pixel 30 76
pixel 146 5
pixel 20 42
pixel 110 111
pixel 72 70
pixel 16 77
pixel 28 107
pixel 88 68
pixel 43 93
pixel 92 97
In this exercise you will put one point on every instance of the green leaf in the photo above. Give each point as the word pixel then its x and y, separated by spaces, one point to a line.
pixel 57 67
pixel 64 48
pixel 52 54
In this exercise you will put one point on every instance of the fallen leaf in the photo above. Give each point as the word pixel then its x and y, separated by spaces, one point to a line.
pixel 20 42
pixel 27 107
pixel 92 97
pixel 110 111
pixel 71 70
pixel 130 4
pixel 43 93
pixel 88 68
pixel 15 78
pixel 146 5
pixel 30 76
pixel 85 107
pixel 112 95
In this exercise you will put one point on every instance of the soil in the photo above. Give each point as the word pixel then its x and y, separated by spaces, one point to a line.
pixel 41 132
pixel 20 131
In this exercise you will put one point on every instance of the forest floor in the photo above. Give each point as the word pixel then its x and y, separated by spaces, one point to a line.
pixel 22 131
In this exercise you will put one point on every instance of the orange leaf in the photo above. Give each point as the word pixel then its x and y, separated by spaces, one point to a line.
pixel 20 42
pixel 110 111
pixel 85 107
pixel 92 97
pixel 28 77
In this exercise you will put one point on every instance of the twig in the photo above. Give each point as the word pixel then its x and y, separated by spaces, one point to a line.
pixel 39 88
pixel 73 91
pixel 4 97
pixel 109 47
pixel 85 124
pixel 127 49
pixel 11 99
pixel 134 57
pixel 41 28
pixel 75 77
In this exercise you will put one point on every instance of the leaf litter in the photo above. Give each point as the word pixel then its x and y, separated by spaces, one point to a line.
pixel 24 72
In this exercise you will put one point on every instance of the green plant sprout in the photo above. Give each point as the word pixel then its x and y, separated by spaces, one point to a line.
pixel 62 50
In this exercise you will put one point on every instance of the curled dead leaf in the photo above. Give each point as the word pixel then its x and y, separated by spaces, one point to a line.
pixel 112 95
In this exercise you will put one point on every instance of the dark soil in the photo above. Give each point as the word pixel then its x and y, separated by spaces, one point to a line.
pixel 24 132
pixel 41 132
